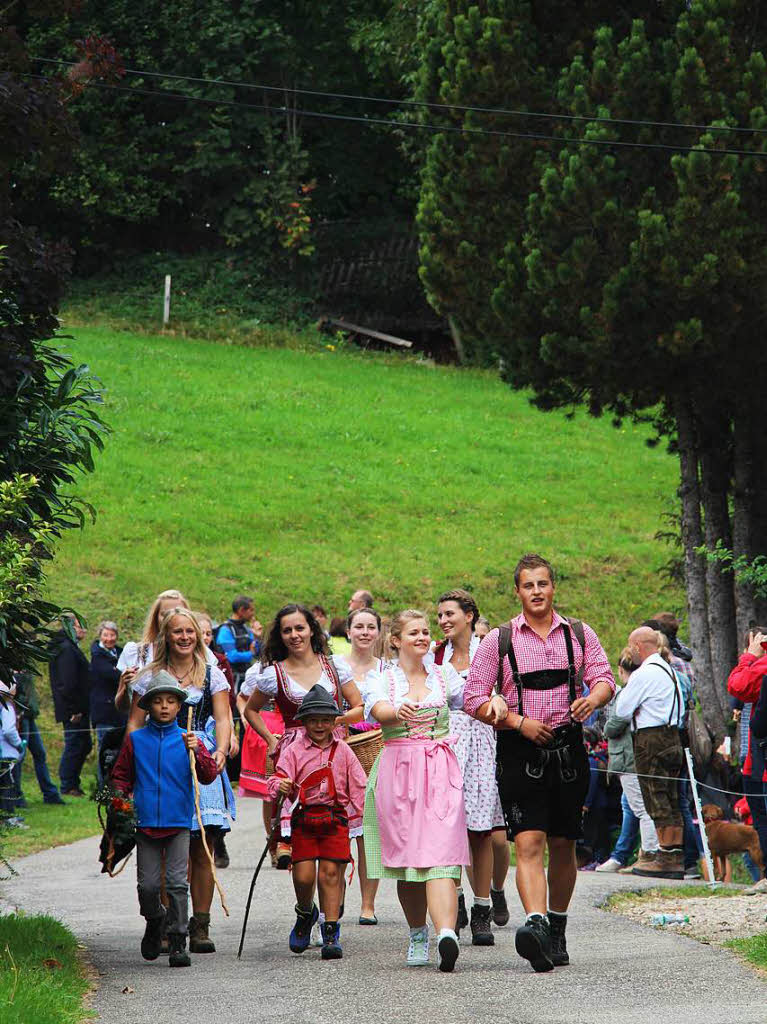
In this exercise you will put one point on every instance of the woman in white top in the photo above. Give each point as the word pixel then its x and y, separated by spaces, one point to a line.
pixel 457 612
pixel 295 658
pixel 179 649
pixel 415 824
pixel 363 628
pixel 137 655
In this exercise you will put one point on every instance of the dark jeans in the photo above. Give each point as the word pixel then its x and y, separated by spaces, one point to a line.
pixel 755 795
pixel 28 731
pixel 693 844
pixel 77 746
pixel 8 799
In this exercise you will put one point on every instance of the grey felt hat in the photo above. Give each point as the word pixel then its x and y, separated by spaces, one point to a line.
pixel 162 682
pixel 317 702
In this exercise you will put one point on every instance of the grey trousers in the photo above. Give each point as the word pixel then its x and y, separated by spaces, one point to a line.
pixel 149 865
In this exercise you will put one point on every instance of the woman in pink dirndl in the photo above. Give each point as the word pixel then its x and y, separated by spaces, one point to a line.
pixel 415 825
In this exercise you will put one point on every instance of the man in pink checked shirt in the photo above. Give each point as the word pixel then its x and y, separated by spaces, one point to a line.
pixel 540 664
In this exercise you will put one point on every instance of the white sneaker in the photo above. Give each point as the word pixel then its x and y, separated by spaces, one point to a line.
pixel 418 950
pixel 611 865
pixel 316 937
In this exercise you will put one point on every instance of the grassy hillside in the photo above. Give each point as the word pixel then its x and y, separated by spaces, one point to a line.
pixel 296 475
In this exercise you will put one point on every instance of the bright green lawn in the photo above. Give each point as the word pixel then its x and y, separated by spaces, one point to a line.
pixel 298 475
pixel 41 977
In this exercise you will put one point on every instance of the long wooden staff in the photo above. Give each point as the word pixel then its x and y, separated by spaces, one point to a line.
pixel 193 766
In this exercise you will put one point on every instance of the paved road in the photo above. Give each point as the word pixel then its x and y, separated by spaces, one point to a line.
pixel 621 972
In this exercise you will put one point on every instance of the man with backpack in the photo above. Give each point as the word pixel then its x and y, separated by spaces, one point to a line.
pixel 539 664
pixel 236 639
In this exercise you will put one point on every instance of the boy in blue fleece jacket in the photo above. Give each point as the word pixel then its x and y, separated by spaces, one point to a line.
pixel 153 766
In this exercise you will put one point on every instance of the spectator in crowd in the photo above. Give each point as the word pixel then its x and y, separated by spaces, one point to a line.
pixel 654 700
pixel 322 617
pixel 339 642
pixel 597 808
pixel 620 749
pixel 360 599
pixel 236 639
pixel 104 683
pixel 27 710
pixel 11 750
pixel 482 628
pixel 745 684
pixel 70 685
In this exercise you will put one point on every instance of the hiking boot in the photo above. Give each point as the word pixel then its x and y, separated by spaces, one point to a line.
pixel 331 944
pixel 283 856
pixel 447 947
pixel 301 932
pixel 152 940
pixel 533 942
pixel 177 954
pixel 462 920
pixel 418 950
pixel 220 853
pixel 557 926
pixel 500 907
pixel 665 864
pixel 481 932
pixel 199 940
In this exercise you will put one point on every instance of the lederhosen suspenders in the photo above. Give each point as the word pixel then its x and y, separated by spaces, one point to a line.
pixel 557 754
pixel 544 679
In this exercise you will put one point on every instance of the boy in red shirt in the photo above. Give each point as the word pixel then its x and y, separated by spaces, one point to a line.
pixel 328 781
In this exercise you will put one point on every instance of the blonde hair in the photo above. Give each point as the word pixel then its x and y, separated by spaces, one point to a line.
pixel 664 648
pixel 161 651
pixel 152 624
pixel 396 626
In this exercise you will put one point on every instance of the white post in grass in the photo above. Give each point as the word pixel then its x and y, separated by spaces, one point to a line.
pixel 701 824
pixel 166 302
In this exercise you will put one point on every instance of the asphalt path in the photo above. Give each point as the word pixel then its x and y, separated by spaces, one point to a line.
pixel 620 971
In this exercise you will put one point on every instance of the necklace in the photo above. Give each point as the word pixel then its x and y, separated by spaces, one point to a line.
pixel 175 674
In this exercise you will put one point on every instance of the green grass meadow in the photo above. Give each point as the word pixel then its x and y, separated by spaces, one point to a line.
pixel 291 474
pixel 42 980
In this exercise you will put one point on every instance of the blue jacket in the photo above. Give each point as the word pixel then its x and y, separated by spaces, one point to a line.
pixel 227 641
pixel 163 793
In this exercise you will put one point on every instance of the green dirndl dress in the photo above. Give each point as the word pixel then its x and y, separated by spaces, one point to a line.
pixel 375 866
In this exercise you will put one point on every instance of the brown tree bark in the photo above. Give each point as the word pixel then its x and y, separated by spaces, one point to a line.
pixel 715 473
pixel 695 565
pixel 743 519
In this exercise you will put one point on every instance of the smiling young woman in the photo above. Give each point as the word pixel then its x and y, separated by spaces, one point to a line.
pixel 415 826
pixel 457 613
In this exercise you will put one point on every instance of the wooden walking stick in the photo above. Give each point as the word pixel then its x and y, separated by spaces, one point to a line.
pixel 269 838
pixel 193 766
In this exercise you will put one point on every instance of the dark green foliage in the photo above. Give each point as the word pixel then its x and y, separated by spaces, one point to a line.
pixel 170 173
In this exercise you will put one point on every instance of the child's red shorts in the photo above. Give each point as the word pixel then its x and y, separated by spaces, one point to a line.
pixel 334 846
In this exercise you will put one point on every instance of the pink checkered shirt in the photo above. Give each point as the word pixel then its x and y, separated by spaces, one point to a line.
pixel 552 707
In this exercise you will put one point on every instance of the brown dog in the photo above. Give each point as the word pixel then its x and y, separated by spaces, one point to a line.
pixel 725 837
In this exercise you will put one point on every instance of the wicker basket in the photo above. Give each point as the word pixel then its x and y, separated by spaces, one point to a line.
pixel 367 746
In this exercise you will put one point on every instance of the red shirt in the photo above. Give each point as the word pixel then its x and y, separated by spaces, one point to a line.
pixel 124 777
pixel 745 683
pixel 533 653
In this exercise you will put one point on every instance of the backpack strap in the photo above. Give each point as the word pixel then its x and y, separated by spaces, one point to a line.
pixel 504 643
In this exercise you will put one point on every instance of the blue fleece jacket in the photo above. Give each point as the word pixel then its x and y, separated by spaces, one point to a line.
pixel 163 793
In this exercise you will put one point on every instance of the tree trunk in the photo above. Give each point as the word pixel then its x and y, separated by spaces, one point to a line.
pixel 714 461
pixel 695 566
pixel 743 508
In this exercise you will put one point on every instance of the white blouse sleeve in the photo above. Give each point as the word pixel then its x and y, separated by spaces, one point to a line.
pixel 217 680
pixel 266 682
pixel 250 680
pixel 129 656
pixel 374 688
pixel 141 683
pixel 342 667
pixel 454 685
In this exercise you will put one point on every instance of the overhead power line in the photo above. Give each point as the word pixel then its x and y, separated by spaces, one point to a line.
pixel 391 123
pixel 500 111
